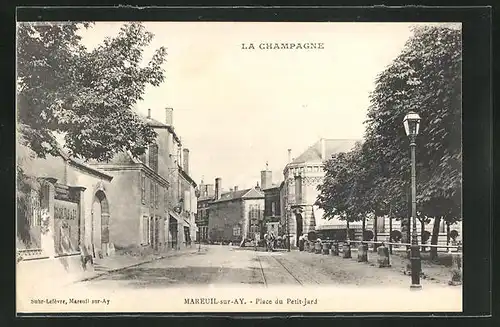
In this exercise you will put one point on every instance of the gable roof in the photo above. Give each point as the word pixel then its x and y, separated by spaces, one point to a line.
pixel 249 193
pixel 332 146
pixel 156 124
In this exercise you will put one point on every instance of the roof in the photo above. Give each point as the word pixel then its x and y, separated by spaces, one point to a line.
pixel 156 124
pixel 80 164
pixel 332 146
pixel 186 176
pixel 273 186
pixel 250 193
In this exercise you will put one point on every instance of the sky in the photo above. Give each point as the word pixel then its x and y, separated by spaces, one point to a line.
pixel 237 109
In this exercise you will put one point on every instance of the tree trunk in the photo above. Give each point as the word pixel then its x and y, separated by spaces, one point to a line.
pixel 435 237
pixel 390 232
pixel 375 233
pixel 363 227
pixel 448 233
pixel 422 230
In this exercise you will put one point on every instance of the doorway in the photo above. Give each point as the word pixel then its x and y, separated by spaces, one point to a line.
pixel 299 227
pixel 100 225
pixel 173 232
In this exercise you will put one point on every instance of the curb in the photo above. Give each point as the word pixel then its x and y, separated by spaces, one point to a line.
pixel 131 266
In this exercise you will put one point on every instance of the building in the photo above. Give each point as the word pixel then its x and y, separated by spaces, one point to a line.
pixel 302 175
pixel 66 212
pixel 207 195
pixel 272 204
pixel 154 201
pixel 235 215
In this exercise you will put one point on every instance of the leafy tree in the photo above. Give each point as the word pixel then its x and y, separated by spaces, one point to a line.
pixel 425 78
pixel 87 96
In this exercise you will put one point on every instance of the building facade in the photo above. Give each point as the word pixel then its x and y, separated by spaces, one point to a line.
pixel 154 196
pixel 207 195
pixel 302 176
pixel 66 212
pixel 272 204
pixel 235 215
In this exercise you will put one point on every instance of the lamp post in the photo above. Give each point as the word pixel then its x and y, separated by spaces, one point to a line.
pixel 411 124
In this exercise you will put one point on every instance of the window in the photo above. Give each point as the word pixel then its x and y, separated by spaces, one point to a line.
pixel 380 224
pixel 236 231
pixel 298 189
pixel 152 193
pixel 153 157
pixel 165 197
pixel 145 230
pixel 157 196
pixel 143 188
pixel 273 208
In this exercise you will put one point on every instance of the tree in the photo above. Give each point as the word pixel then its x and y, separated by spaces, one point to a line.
pixel 425 78
pixel 87 96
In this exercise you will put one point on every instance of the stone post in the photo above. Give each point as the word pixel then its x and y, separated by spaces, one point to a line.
pixel 456 267
pixel 346 250
pixel 383 256
pixel 363 252
pixel 335 248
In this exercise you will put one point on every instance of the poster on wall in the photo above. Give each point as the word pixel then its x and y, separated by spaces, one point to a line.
pixel 66 226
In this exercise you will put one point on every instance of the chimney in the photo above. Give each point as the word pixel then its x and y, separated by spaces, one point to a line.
pixel 149 113
pixel 266 177
pixel 236 188
pixel 257 187
pixel 185 160
pixel 218 186
pixel 169 119
pixel 289 155
pixel 323 150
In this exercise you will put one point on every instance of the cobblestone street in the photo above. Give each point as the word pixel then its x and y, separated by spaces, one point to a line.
pixel 222 265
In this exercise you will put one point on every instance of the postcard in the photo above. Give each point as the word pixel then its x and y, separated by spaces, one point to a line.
pixel 239 167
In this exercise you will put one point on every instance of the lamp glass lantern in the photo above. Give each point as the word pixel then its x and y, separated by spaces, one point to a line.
pixel 411 123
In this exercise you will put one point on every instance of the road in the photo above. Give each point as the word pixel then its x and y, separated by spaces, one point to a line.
pixel 223 265
pixel 237 280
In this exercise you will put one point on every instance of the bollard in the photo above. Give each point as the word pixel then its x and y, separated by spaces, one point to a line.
pixel 346 250
pixel 363 252
pixel 456 269
pixel 326 248
pixel 383 256
pixel 317 248
pixel 334 250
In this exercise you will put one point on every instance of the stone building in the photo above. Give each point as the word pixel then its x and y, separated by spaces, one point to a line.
pixel 154 200
pixel 207 195
pixel 272 204
pixel 302 175
pixel 67 211
pixel 235 215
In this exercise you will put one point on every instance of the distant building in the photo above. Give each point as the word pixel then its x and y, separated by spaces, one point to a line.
pixel 207 195
pixel 235 215
pixel 272 204
pixel 154 202
pixel 302 175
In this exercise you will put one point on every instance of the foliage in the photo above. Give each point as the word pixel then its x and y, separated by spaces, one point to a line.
pixel 86 96
pixel 375 176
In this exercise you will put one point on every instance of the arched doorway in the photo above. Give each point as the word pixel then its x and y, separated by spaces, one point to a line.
pixel 100 224
pixel 298 226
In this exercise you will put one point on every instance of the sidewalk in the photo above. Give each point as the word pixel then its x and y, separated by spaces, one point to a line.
pixel 118 262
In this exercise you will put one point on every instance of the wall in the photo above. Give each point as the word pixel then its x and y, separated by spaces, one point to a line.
pixel 124 200
pixel 223 217
pixel 246 213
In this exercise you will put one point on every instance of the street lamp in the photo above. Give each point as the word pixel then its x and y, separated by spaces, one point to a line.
pixel 411 123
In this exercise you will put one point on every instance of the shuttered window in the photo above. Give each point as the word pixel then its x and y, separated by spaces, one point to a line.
pixel 153 157
pixel 143 188
pixel 145 230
